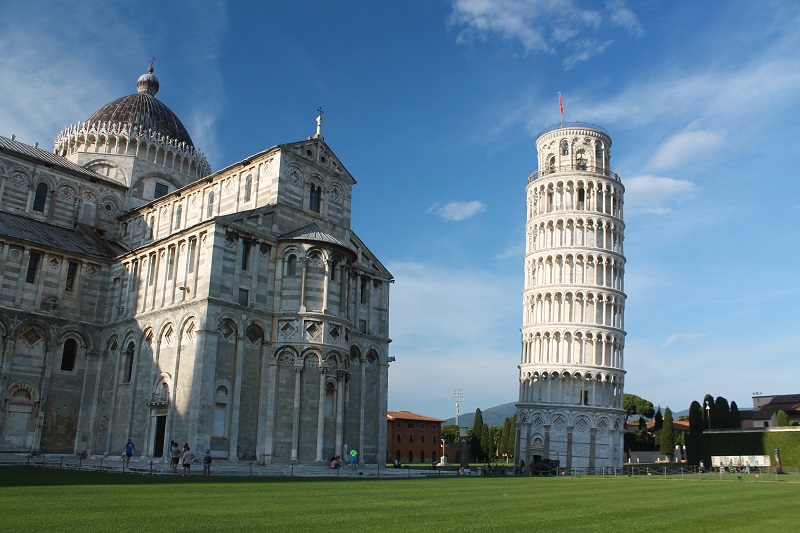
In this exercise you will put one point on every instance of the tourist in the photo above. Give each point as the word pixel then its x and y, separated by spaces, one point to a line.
pixel 521 469
pixel 188 457
pixel 129 451
pixel 175 457
pixel 354 459
pixel 335 463
pixel 207 463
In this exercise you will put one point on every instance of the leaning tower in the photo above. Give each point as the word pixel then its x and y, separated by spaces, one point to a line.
pixel 571 369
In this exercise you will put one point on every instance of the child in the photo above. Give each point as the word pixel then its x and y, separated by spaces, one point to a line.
pixel 207 463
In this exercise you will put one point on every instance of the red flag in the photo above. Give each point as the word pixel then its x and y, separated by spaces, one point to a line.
pixel 560 103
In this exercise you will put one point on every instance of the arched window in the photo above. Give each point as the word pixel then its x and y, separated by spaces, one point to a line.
pixel 422 456
pixel 291 265
pixel 410 457
pixel 248 188
pixel 410 437
pixel 68 355
pixel 210 207
pixel 314 196
pixel 422 439
pixel 127 369
pixel 178 215
pixel 40 197
pixel 398 437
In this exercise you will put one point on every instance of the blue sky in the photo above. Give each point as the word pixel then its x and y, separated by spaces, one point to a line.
pixel 434 107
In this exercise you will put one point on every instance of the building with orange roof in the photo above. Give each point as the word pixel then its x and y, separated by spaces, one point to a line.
pixel 412 438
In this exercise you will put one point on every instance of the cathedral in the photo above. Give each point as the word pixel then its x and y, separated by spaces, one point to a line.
pixel 144 296
pixel 570 407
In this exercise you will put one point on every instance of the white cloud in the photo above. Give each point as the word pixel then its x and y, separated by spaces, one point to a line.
pixel 457 211
pixel 453 328
pixel 542 26
pixel 649 194
pixel 47 86
pixel 625 18
pixel 682 337
pixel 686 146
pixel 584 50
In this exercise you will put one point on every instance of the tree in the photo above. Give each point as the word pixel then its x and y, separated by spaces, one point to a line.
pixel 736 420
pixel 723 412
pixel 486 443
pixel 512 437
pixel 658 420
pixel 781 418
pixel 477 433
pixel 450 433
pixel 642 424
pixel 667 434
pixel 635 405
pixel 505 449
pixel 494 439
pixel 695 418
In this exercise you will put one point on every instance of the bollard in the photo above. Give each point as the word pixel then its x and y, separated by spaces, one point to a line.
pixel 151 468
pixel 61 464
pixel 291 472
pixel 101 464
pixel 80 462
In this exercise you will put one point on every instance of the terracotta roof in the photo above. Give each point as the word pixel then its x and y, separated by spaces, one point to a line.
pixel 408 415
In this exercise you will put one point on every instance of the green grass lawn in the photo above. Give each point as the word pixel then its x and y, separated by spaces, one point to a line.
pixel 34 499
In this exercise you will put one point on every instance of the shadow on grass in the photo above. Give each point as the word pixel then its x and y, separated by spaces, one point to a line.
pixel 31 476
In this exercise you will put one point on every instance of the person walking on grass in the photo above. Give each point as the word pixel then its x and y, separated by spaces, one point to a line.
pixel 188 457
pixel 129 448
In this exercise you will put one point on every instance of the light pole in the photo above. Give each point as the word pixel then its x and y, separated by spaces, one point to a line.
pixel 457 396
pixel 708 414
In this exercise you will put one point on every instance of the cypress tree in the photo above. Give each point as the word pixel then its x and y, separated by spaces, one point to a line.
pixel 696 417
pixel 505 449
pixel 477 433
pixel 512 437
pixel 723 412
pixel 486 442
pixel 658 421
pixel 736 420
pixel 667 434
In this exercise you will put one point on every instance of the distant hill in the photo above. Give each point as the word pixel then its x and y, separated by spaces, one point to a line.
pixel 493 416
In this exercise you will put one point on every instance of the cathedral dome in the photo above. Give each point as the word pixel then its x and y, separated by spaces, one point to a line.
pixel 143 110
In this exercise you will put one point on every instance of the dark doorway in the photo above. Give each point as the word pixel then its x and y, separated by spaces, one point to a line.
pixel 161 429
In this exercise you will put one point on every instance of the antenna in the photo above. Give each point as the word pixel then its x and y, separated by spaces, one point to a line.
pixel 457 396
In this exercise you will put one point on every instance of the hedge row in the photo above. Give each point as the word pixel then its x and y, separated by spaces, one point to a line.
pixel 701 446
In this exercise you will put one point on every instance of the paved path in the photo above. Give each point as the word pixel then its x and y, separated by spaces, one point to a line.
pixel 146 466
